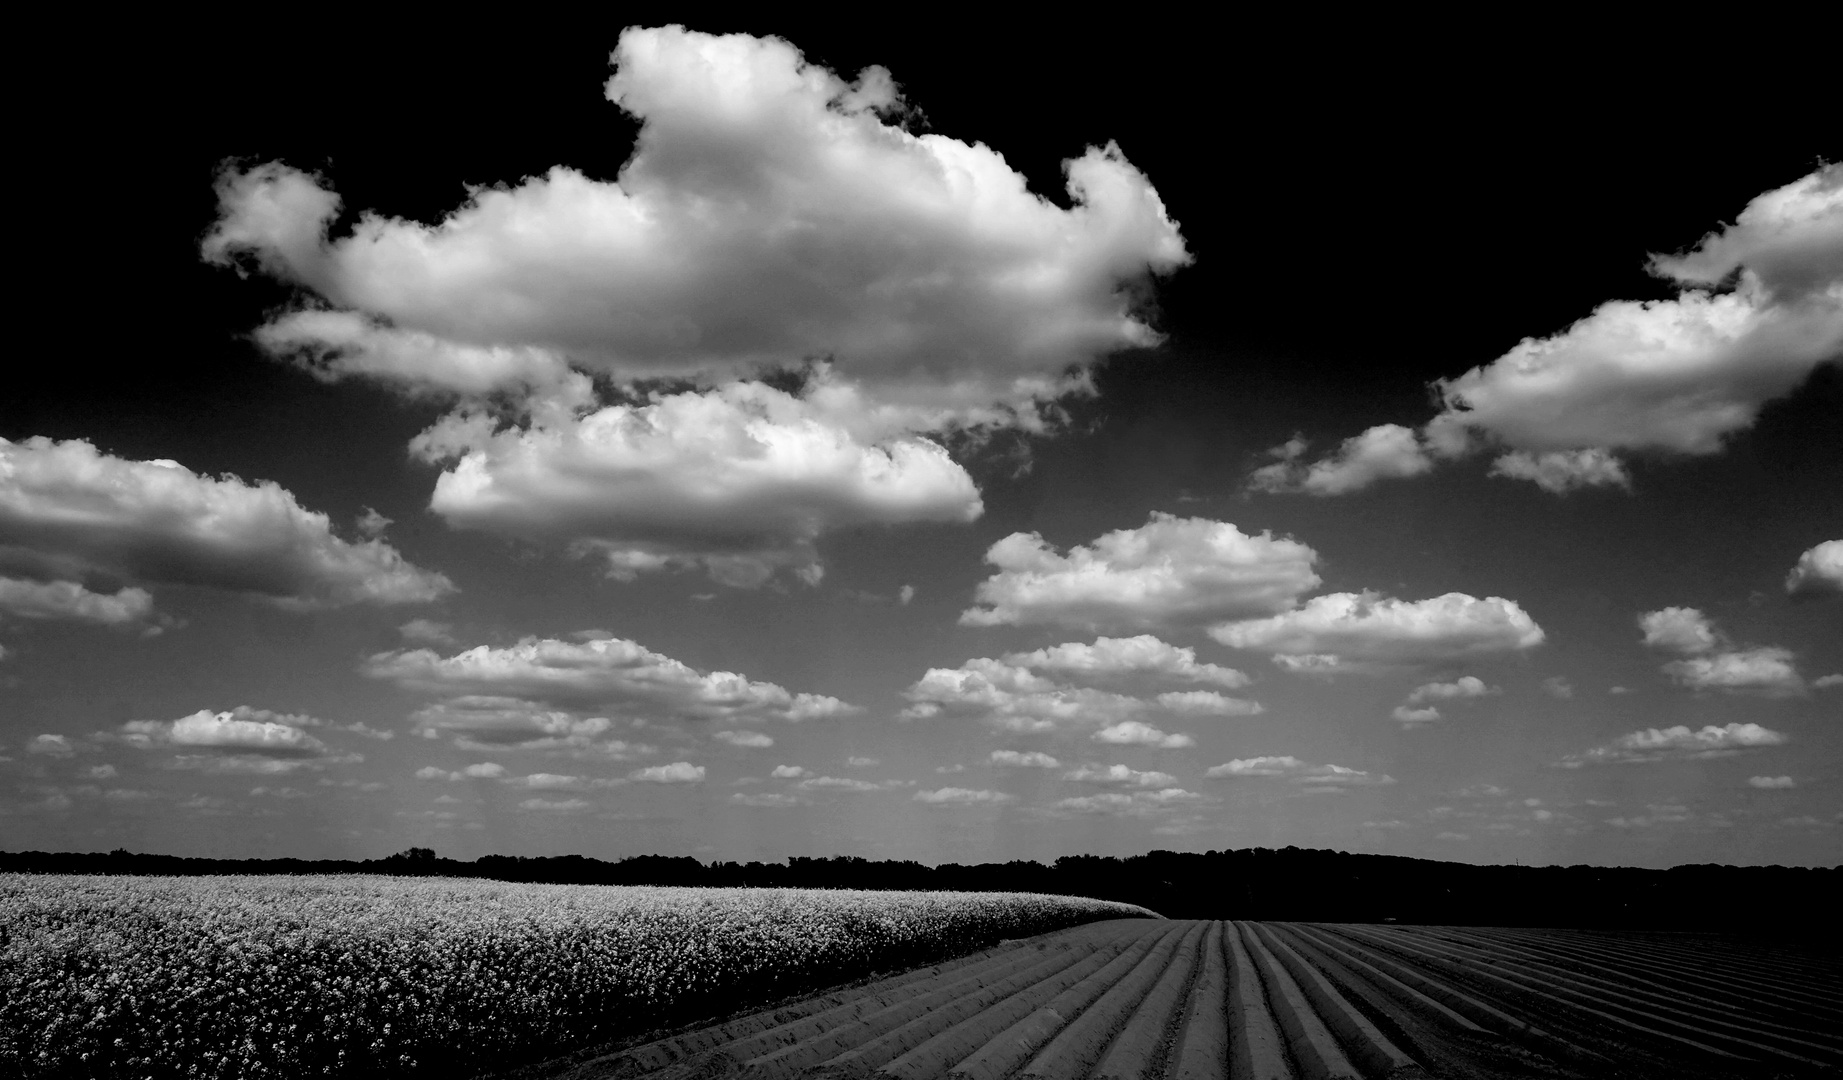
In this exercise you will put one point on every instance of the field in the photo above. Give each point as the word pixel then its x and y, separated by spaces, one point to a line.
pixel 368 975
pixel 1199 1000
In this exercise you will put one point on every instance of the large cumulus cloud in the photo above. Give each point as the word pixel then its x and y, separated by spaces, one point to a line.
pixel 1355 631
pixel 1761 307
pixel 69 510
pixel 772 214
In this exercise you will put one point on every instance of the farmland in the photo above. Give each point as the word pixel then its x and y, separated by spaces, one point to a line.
pixel 359 975
pixel 1210 1000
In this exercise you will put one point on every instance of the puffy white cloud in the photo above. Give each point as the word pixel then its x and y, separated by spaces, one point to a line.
pixel 1030 759
pixel 1301 772
pixel 1673 376
pixel 555 806
pixel 68 510
pixel 1561 471
pixel 1465 686
pixel 1825 682
pixel 1169 571
pixel 1114 657
pixel 959 796
pixel 1128 803
pixel 1679 629
pixel 1767 670
pixel 482 770
pixel 51 745
pixel 343 344
pixel 488 723
pixel 71 601
pixel 678 772
pixel 859 762
pixel 1413 716
pixel 1208 703
pixel 767 799
pixel 1676 743
pixel 754 740
pixel 1013 698
pixel 905 594
pixel 788 772
pixel 1140 733
pixel 1385 451
pixel 611 673
pixel 1312 664
pixel 1771 782
pixel 243 729
pixel 1120 775
pixel 768 214
pixel 1818 572
pixel 1360 629
pixel 741 480
pixel 1558 686
pixel 836 783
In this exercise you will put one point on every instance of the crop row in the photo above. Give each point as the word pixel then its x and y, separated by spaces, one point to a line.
pixel 1189 1000
pixel 358 976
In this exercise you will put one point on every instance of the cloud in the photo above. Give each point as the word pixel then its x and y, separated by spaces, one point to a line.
pixel 1677 743
pixel 600 673
pixel 1767 670
pixel 484 770
pixel 1382 452
pixel 1679 629
pixel 67 510
pixel 836 783
pixel 243 729
pixel 959 796
pixel 1412 716
pixel 1114 657
pixel 1466 686
pixel 51 745
pixel 555 806
pixel 428 632
pixel 1139 733
pixel 1368 629
pixel 1120 775
pixel 1012 698
pixel 740 480
pixel 753 740
pixel 67 600
pixel 1169 571
pixel 858 762
pixel 487 723
pixel 1129 803
pixel 770 212
pixel 1818 572
pixel 1771 782
pixel 1761 308
pixel 678 772
pixel 1032 759
pixel 905 594
pixel 1561 471
pixel 765 799
pixel 1208 703
pixel 1825 682
pixel 788 772
pixel 1300 772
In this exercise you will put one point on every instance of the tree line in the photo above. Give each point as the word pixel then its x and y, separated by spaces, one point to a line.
pixel 1295 884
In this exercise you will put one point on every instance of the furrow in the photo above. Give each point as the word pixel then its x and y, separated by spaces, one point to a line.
pixel 1202 1048
pixel 1256 1051
pixel 1329 956
pixel 1074 1050
pixel 1794 1038
pixel 1698 950
pixel 663 1053
pixel 1687 976
pixel 1466 1005
pixel 933 1056
pixel 1137 1048
pixel 1314 1049
pixel 936 1007
pixel 1595 1005
pixel 1362 1041
pixel 1003 1054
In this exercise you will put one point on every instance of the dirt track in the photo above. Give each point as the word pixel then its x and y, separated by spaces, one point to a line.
pixel 1188 1000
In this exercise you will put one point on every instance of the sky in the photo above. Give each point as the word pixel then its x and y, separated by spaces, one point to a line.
pixel 759 440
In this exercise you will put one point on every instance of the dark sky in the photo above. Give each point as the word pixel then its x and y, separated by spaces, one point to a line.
pixel 197 663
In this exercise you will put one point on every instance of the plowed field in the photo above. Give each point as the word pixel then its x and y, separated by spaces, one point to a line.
pixel 1189 1000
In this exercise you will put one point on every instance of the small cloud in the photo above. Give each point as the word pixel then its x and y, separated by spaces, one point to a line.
pixel 372 524
pixel 53 745
pixel 1139 733
pixel 1825 682
pixel 1120 775
pixel 949 769
pixel 905 594
pixel 555 806
pixel 753 740
pixel 1208 703
pixel 788 772
pixel 836 783
pixel 428 632
pixel 1032 759
pixel 1680 630
pixel 678 772
pixel 857 762
pixel 1453 836
pixel 1680 742
pixel 100 772
pixel 1819 571
pixel 958 796
pixel 1466 686
pixel 1770 782
pixel 1414 717
pixel 1299 772
pixel 766 799
pixel 1558 686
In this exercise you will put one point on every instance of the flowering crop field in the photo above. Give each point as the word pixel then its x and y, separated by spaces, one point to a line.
pixel 362 974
